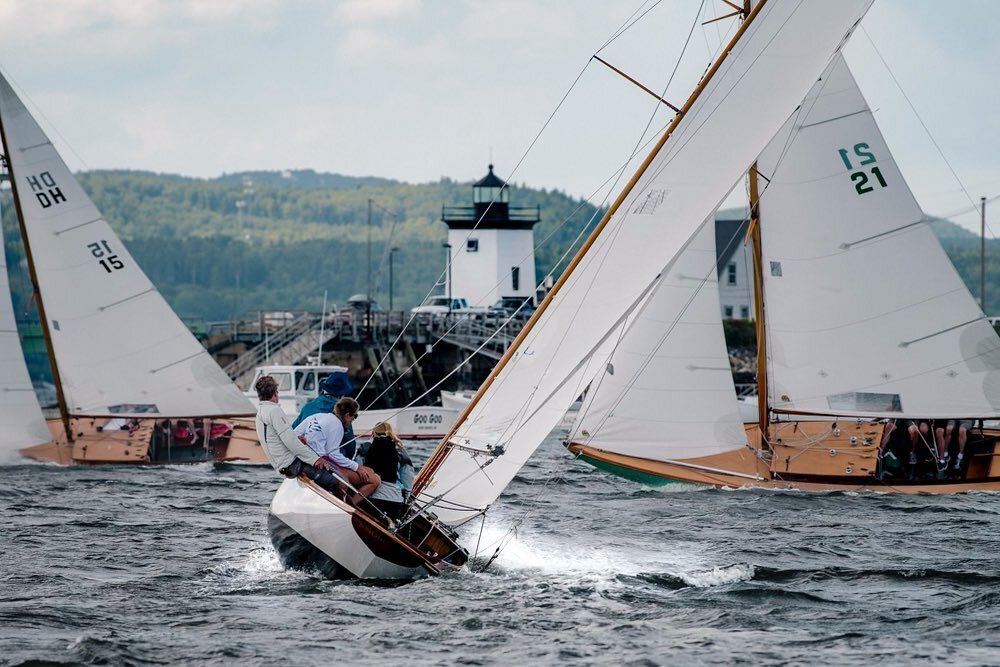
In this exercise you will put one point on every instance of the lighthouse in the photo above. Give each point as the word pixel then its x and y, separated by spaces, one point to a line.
pixel 491 252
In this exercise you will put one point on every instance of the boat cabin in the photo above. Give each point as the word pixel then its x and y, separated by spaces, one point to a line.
pixel 297 385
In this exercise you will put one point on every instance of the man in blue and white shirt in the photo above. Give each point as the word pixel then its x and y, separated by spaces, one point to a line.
pixel 324 433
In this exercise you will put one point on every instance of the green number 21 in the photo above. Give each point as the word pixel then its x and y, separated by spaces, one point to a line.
pixel 860 178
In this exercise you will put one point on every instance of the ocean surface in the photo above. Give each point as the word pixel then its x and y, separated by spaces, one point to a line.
pixel 172 566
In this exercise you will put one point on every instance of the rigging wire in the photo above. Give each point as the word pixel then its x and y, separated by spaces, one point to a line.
pixel 514 427
pixel 930 136
pixel 517 166
pixel 641 141
pixel 628 24
pixel 799 113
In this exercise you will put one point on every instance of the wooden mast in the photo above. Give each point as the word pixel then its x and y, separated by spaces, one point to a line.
pixel 763 409
pixel 438 455
pixel 36 293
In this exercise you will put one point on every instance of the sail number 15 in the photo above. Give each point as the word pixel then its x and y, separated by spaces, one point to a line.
pixel 105 256
pixel 860 179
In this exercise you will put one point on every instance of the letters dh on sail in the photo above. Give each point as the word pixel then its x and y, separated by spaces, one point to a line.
pixel 117 350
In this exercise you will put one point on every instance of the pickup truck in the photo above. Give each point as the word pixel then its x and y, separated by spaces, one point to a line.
pixel 439 305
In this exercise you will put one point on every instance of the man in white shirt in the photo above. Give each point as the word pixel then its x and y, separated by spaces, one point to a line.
pixel 324 433
pixel 286 452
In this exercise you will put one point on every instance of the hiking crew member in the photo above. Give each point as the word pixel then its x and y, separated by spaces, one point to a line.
pixel 324 433
pixel 285 451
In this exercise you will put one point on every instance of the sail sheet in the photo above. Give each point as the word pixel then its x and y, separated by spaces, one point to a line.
pixel 119 347
pixel 667 391
pixel 784 49
pixel 865 314
pixel 21 420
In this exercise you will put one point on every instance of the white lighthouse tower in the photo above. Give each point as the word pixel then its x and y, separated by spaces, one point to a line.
pixel 490 246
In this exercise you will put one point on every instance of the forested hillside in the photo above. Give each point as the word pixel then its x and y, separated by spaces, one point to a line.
pixel 299 233
pixel 295 235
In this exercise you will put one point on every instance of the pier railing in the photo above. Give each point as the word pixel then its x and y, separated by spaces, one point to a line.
pixel 304 335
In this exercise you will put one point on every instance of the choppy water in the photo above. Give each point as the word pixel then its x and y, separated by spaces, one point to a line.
pixel 137 566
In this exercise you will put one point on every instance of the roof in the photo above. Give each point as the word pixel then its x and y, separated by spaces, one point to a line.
pixel 490 180
pixel 726 243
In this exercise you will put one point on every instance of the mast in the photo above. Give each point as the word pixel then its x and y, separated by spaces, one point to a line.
pixel 439 454
pixel 763 409
pixel 36 293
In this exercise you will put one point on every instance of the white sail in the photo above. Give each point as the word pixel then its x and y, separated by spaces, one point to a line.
pixel 668 390
pixel 864 312
pixel 21 420
pixel 120 349
pixel 784 49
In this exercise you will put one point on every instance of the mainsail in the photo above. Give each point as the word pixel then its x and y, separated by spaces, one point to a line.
pixel 781 49
pixel 119 348
pixel 866 315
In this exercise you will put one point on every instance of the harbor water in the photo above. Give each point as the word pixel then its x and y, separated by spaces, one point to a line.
pixel 148 566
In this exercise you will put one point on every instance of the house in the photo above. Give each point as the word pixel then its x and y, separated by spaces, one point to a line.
pixel 735 267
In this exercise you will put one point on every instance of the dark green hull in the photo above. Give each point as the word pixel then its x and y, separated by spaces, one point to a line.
pixel 646 478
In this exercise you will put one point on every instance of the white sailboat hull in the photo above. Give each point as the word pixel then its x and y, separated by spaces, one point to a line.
pixel 329 525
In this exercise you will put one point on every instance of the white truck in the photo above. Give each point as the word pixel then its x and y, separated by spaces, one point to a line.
pixel 444 305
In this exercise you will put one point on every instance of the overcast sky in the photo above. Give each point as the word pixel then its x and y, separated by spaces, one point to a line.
pixel 417 90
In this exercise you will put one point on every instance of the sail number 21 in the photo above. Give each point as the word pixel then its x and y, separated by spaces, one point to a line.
pixel 105 256
pixel 860 177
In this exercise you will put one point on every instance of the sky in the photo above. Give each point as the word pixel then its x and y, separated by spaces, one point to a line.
pixel 419 90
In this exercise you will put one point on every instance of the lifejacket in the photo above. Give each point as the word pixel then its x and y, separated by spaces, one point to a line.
pixel 383 458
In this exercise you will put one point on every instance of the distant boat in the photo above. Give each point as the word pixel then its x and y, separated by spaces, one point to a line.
pixel 133 385
pixel 781 47
pixel 864 321
pixel 299 384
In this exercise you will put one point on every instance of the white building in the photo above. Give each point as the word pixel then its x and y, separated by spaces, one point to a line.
pixel 735 263
pixel 490 246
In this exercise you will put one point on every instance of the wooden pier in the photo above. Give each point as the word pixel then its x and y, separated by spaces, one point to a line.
pixel 412 353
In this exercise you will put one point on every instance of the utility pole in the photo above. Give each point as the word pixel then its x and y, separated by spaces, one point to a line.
pixel 447 273
pixel 982 254
pixel 392 251
pixel 368 290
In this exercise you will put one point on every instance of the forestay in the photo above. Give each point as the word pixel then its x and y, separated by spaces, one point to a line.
pixel 783 50
pixel 668 389
pixel 21 420
pixel 119 347
pixel 865 314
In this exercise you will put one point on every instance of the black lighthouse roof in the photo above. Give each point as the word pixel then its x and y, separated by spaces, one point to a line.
pixel 490 208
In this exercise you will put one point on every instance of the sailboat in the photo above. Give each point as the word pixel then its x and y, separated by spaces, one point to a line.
pixel 133 384
pixel 782 47
pixel 862 322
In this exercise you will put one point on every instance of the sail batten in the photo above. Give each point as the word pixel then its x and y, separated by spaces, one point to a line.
pixel 681 184
pixel 119 349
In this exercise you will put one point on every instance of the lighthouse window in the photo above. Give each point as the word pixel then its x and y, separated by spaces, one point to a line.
pixel 515 278
pixel 472 245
